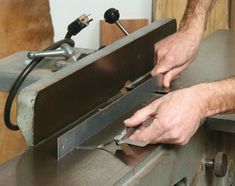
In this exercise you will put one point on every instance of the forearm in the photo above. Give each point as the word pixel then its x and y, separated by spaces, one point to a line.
pixel 195 16
pixel 217 97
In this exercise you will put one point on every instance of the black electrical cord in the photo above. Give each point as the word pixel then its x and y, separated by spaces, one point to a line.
pixel 20 79
pixel 77 25
pixel 73 29
pixel 68 35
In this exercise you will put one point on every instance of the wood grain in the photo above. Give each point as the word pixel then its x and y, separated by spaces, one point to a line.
pixel 24 25
pixel 232 15
pixel 218 19
pixel 110 32
pixel 11 142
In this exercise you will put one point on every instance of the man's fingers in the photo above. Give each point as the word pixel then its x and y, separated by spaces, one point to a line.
pixel 158 69
pixel 164 64
pixel 147 134
pixel 140 116
pixel 169 76
pixel 168 138
pixel 177 76
pixel 172 74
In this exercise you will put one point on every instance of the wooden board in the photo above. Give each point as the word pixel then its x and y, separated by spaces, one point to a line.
pixel 232 15
pixel 24 25
pixel 219 17
pixel 110 32
pixel 11 142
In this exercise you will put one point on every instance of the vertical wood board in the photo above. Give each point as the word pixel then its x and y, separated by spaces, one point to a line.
pixel 218 19
pixel 24 25
pixel 110 32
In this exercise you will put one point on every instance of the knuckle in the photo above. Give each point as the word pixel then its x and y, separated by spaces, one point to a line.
pixel 169 76
pixel 175 136
pixel 145 138
pixel 170 58
pixel 156 45
pixel 160 52
pixel 165 125
pixel 182 141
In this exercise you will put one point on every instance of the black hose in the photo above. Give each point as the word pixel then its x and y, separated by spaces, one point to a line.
pixel 20 79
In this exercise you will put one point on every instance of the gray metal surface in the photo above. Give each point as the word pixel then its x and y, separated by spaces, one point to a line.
pixel 222 122
pixel 215 61
pixel 52 103
pixel 153 165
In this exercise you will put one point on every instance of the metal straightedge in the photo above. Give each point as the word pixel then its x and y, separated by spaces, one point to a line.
pixel 114 111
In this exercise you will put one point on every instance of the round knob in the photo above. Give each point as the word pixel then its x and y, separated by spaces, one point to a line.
pixel 219 164
pixel 111 15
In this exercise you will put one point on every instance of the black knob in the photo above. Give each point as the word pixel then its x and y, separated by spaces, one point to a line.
pixel 111 15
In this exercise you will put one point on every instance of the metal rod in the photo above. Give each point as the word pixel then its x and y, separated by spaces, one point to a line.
pixel 54 53
pixel 66 51
pixel 209 163
pixel 122 28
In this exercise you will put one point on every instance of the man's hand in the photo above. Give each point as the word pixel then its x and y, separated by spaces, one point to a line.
pixel 176 116
pixel 174 54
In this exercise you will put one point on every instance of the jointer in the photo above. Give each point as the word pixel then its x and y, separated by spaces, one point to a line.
pixel 85 103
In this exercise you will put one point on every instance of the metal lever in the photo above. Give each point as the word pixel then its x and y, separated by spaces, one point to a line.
pixel 111 16
pixel 66 51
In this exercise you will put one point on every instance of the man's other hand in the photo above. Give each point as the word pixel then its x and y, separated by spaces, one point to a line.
pixel 176 117
pixel 174 53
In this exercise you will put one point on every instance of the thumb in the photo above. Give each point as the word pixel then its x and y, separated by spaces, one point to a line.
pixel 160 69
pixel 143 114
pixel 164 64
